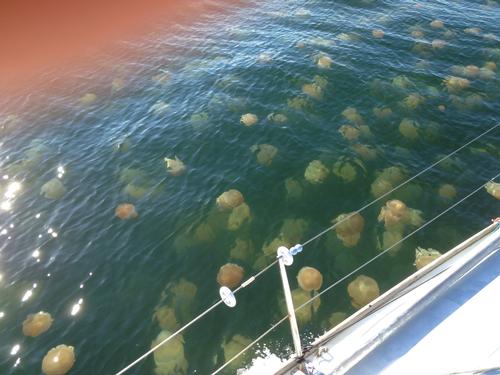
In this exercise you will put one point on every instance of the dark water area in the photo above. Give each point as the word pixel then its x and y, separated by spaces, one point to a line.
pixel 104 133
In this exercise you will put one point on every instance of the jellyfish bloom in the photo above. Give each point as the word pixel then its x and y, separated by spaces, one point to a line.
pixel 165 316
pixel 169 358
pixel 242 250
pixel 412 102
pixel 437 24
pixel 362 290
pixel 313 90
pixel 349 228
pixel 425 256
pixel 349 132
pixel 316 172
pixel 378 34
pixel 365 152
pixel 36 324
pixel 408 129
pixel 230 199
pixel 174 166
pixel 324 62
pixel 277 118
pixel 53 189
pixel 230 275
pixel 456 84
pixel 58 360
pixel 438 44
pixel 299 297
pixel 293 189
pixel 310 279
pixel 239 215
pixel 472 30
pixel 382 113
pixel 249 119
pixel 493 188
pixel 233 347
pixel 265 153
pixel 447 191
pixel 126 211
pixel 348 169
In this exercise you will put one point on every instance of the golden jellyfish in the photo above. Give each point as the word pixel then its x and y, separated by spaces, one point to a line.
pixel 313 90
pixel 412 101
pixel 425 256
pixel 265 153
pixel 490 65
pixel 324 62
pixel 53 189
pixel 298 103
pixel 441 108
pixel 438 44
pixel 320 81
pixel 447 191
pixel 349 132
pixel 316 172
pixel 58 360
pixel 408 129
pixel 165 316
pixel 486 74
pixel 293 189
pixel 391 239
pixel 349 227
pixel 249 119
pixel 472 30
pixel 204 233
pixel 362 290
pixel 378 34
pixel 135 191
pixel 293 230
pixel 393 213
pixel 88 98
pixel 335 319
pixel 456 84
pixel 394 175
pixel 437 24
pixel 382 113
pixel 403 82
pixel 230 199
pixel 348 169
pixel 239 215
pixel 310 279
pixel 36 324
pixel 230 275
pixel 365 152
pixel 471 71
pixel 242 250
pixel 184 289
pixel 299 297
pixel 270 248
pixel 169 358
pixel 174 166
pixel 418 34
pixel 493 188
pixel 232 348
pixel 380 187
pixel 277 118
pixel 126 211
pixel 351 114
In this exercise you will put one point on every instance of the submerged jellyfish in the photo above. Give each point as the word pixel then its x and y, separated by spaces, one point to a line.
pixel 349 228
pixel 291 232
pixel 249 119
pixel 438 44
pixel 418 34
pixel 493 188
pixel 169 358
pixel 437 24
pixel 299 297
pixel 425 256
pixel 242 250
pixel 412 101
pixel 175 166
pixel 351 114
pixel 298 103
pixel 230 275
pixel 395 214
pixel 348 169
pixel 310 279
pixel 391 239
pixel 230 199
pixel 335 319
pixel 456 84
pixel 239 215
pixel 53 189
pixel 36 324
pixel 324 62
pixel 472 30
pixel 382 113
pixel 264 57
pixel 293 189
pixel 58 360
pixel 233 347
pixel 135 191
pixel 204 233
pixel 88 98
pixel 349 132
pixel 378 34
pixel 277 118
pixel 313 90
pixel 165 316
pixel 265 153
pixel 362 290
pixel 402 82
pixel 365 152
pixel 126 211
pixel 409 129
pixel 316 172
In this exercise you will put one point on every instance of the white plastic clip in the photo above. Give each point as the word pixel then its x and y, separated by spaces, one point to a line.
pixel 285 254
pixel 227 296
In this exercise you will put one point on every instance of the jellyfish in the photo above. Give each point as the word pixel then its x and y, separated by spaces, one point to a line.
pixel 324 62
pixel 380 187
pixel 472 30
pixel 313 90
pixel 265 153
pixel 292 231
pixel 53 189
pixel 126 211
pixel 422 49
pixel 352 115
pixel 230 275
pixel 418 34
pixel 298 103
pixel 58 360
pixel 382 113
pixel 348 169
pixel 349 227
pixel 128 175
pixel 277 118
pixel 293 189
pixel 395 214
pixel 239 215
pixel 299 297
pixel 473 101
pixel 174 166
pixel 438 44
pixel 36 324
pixel 349 132
pixel 412 102
pixel 264 57
pixel 365 152
pixel 490 65
pixel 165 316
pixel 249 119
pixel 378 34
pixel 316 172
pixel 409 129
pixel 425 256
pixel 437 24
pixel 493 188
pixel 204 233
pixel 471 71
pixel 159 108
pixel 135 191
pixel 456 84
pixel 486 74
pixel 442 108
pixel 242 250
pixel 362 290
pixel 123 145
pixel 310 279
pixel 335 319
pixel 394 175
pixel 88 98
pixel 229 199
pixel 169 358
pixel 232 348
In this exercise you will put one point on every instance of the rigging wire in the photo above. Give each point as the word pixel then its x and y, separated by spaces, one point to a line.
pixel 265 269
pixel 351 273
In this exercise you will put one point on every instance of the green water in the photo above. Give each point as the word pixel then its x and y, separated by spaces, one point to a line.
pixel 119 269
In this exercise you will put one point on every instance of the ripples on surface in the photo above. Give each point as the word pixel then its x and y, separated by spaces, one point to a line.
pixel 104 135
